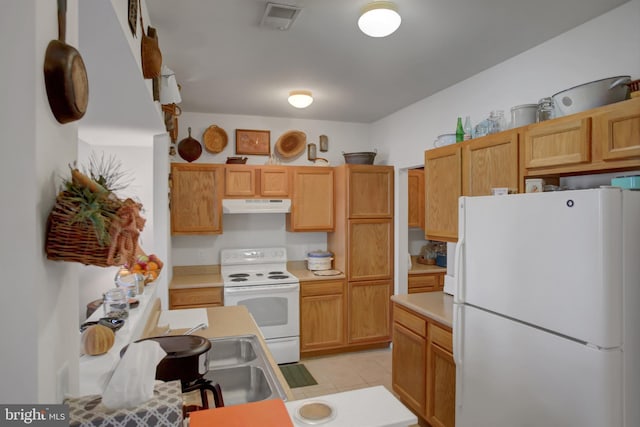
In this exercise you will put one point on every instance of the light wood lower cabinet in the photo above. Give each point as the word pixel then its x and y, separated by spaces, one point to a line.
pixel 441 377
pixel 323 314
pixel 195 297
pixel 409 356
pixel 370 311
pixel 423 371
pixel 427 282
pixel 336 316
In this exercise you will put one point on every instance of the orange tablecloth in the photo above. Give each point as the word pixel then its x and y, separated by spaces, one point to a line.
pixel 266 413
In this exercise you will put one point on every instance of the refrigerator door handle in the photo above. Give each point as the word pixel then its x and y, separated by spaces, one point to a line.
pixel 458 333
pixel 459 295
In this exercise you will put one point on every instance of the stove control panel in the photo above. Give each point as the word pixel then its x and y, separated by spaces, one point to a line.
pixel 253 256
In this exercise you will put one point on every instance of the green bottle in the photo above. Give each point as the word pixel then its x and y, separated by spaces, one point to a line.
pixel 459 131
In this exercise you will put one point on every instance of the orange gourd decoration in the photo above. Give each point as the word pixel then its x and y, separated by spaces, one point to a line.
pixel 97 339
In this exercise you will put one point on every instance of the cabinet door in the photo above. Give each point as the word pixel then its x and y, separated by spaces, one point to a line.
pixel 240 181
pixel 196 297
pixel 617 132
pixel 370 311
pixel 196 198
pixel 441 378
pixel 488 162
pixel 312 204
pixel 274 182
pixel 370 191
pixel 560 142
pixel 322 315
pixel 370 249
pixel 443 187
pixel 408 370
pixel 416 198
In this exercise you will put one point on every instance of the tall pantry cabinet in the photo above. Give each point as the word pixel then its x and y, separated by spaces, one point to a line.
pixel 362 244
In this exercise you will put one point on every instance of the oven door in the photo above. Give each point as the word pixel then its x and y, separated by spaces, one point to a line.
pixel 275 308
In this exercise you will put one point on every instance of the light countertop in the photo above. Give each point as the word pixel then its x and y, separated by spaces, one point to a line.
pixel 208 276
pixel 366 407
pixel 434 305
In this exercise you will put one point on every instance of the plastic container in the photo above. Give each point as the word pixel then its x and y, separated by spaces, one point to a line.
pixel 524 114
pixel 319 260
pixel 627 182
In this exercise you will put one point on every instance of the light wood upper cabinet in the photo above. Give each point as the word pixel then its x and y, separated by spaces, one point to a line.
pixel 370 311
pixel 370 191
pixel 416 198
pixel 196 198
pixel 490 161
pixel 559 142
pixel 249 181
pixel 274 182
pixel 323 315
pixel 312 204
pixel 370 251
pixel 618 132
pixel 443 187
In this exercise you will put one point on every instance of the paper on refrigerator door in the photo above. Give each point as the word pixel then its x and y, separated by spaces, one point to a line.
pixel 183 319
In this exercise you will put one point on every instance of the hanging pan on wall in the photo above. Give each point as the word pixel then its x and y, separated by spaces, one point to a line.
pixel 65 75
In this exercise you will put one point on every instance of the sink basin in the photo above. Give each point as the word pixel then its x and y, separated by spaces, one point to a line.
pixel 232 351
pixel 241 384
pixel 241 368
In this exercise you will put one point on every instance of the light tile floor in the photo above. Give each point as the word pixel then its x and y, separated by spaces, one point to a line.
pixel 347 371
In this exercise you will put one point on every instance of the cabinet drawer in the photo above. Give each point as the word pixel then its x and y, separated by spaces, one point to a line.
pixel 196 297
pixel 410 321
pixel 424 281
pixel 441 336
pixel 310 289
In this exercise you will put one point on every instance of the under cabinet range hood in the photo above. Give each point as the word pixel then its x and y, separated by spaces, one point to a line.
pixel 234 206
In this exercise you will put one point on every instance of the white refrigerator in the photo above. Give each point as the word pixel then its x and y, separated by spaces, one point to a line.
pixel 547 310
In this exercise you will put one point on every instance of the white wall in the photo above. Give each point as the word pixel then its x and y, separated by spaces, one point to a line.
pixel 38 316
pixel 251 230
pixel 603 47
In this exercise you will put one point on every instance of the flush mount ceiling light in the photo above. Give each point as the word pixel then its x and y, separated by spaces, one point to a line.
pixel 379 19
pixel 300 98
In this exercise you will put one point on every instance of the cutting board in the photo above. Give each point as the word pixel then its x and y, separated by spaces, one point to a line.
pixel 183 319
pixel 266 413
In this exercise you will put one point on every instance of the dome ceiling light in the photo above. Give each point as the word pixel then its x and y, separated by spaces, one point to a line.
pixel 300 98
pixel 379 19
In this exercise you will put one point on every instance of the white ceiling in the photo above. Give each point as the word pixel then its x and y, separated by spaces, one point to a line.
pixel 227 64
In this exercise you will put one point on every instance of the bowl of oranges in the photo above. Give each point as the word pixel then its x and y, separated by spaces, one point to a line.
pixel 147 265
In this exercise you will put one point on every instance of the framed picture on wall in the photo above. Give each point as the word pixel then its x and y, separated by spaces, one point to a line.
pixel 133 16
pixel 254 142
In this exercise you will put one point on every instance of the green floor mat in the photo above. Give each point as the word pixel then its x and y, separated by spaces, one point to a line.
pixel 297 375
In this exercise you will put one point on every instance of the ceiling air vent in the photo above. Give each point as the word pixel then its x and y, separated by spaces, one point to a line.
pixel 279 16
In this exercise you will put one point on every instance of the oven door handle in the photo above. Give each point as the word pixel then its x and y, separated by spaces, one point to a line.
pixel 261 288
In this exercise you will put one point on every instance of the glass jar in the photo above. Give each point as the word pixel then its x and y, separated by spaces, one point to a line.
pixel 116 303
pixel 545 110
pixel 497 122
pixel 132 283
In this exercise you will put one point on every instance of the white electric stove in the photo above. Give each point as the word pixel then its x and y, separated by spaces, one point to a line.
pixel 258 279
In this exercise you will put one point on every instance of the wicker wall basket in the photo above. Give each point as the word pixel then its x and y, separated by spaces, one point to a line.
pixel 70 239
